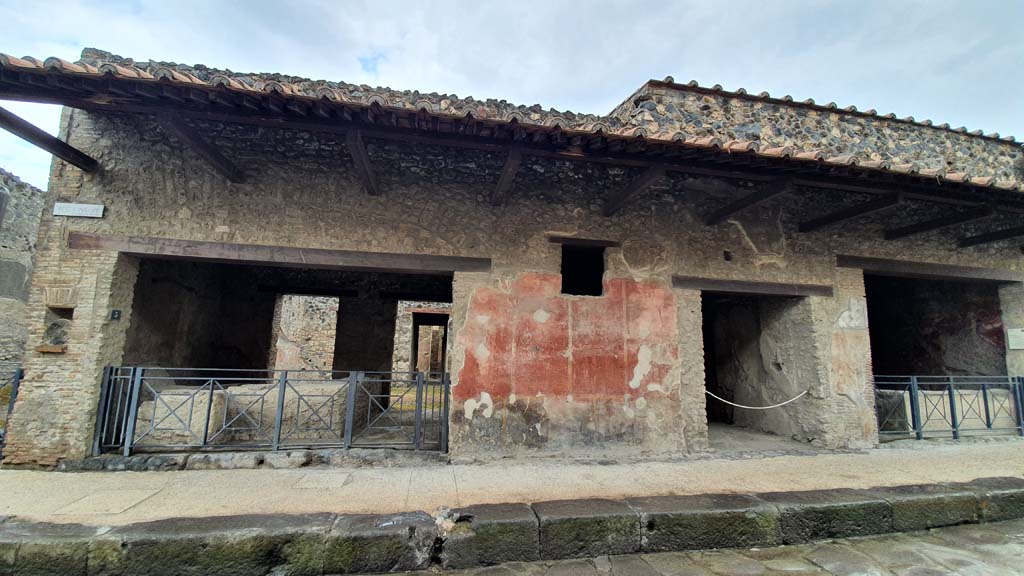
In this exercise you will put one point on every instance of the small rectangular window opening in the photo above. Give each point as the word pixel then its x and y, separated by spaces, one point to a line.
pixel 582 270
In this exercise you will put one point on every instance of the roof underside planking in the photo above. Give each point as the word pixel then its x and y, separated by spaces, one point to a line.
pixel 175 97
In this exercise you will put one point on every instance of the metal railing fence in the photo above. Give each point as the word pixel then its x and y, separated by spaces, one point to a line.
pixel 929 406
pixel 11 375
pixel 193 409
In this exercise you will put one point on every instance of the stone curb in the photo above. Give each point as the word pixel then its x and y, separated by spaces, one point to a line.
pixel 491 534
pixel 298 458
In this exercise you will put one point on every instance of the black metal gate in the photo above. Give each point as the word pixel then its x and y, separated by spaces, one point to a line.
pixel 190 409
pixel 10 378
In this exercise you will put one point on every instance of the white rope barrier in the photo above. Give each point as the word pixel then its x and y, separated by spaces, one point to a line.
pixel 757 407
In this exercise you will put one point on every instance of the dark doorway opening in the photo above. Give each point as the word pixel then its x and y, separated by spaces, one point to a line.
pixel 934 327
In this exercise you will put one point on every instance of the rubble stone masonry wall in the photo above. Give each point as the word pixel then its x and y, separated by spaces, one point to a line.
pixel 532 369
pixel 20 208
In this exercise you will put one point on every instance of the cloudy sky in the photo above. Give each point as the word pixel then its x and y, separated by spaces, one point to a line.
pixel 955 62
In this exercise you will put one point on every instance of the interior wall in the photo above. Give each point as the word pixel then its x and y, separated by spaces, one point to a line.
pixel 935 327
pixel 366 333
pixel 758 352
pixel 304 332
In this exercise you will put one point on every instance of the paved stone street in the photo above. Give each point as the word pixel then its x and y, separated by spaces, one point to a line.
pixel 989 550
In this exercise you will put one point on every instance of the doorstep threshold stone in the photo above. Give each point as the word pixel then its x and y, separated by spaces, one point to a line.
pixel 492 534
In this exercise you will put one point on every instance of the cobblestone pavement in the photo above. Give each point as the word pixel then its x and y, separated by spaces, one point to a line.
pixel 989 550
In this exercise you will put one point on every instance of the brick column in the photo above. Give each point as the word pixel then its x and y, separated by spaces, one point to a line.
pixel 68 347
pixel 1011 303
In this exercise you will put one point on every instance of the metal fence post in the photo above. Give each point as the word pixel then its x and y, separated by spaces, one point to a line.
pixel 282 383
pixel 915 409
pixel 984 399
pixel 101 411
pixel 354 378
pixel 133 411
pixel 952 410
pixel 1018 397
pixel 209 411
pixel 446 385
pixel 418 430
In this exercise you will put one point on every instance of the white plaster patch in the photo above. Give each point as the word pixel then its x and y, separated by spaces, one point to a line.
pixel 541 316
pixel 855 316
pixel 511 398
pixel 643 366
pixel 469 406
pixel 481 352
pixel 641 403
pixel 654 387
pixel 483 319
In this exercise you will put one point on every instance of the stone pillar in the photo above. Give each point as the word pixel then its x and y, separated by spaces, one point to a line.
pixel 844 347
pixel 304 332
pixel 71 338
pixel 693 402
pixel 1011 304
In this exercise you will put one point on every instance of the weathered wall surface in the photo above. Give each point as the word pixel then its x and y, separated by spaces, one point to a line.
pixel 21 207
pixel 927 327
pixel 307 183
pixel 665 109
pixel 304 332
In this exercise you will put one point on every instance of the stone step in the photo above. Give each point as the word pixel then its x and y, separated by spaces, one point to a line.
pixel 495 533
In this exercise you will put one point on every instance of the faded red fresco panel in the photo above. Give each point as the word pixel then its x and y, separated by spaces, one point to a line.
pixel 541 363
pixel 533 340
pixel 487 337
pixel 598 344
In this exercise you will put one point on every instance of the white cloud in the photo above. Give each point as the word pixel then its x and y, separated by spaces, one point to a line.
pixel 949 61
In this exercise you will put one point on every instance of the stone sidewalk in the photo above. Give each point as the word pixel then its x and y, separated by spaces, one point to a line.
pixel 114 498
pixel 990 550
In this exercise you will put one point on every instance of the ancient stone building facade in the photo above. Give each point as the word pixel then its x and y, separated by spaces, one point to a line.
pixel 712 222
pixel 21 206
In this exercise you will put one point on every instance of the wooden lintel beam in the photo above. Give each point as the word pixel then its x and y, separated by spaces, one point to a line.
pixel 750 287
pixel 876 205
pixel 176 126
pixel 357 149
pixel 994 236
pixel 618 198
pixel 285 256
pixel 764 193
pixel 34 135
pixel 926 270
pixel 939 223
pixel 503 189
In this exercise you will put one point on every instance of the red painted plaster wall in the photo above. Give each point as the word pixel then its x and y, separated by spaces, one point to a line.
pixel 533 341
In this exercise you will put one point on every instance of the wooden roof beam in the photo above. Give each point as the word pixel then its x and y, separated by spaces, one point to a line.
pixel 994 236
pixel 764 193
pixel 619 198
pixel 34 135
pixel 176 126
pixel 857 211
pixel 503 189
pixel 357 149
pixel 957 219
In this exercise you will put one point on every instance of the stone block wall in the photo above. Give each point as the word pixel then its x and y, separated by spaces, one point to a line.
pixel 21 207
pixel 670 108
pixel 304 332
pixel 531 368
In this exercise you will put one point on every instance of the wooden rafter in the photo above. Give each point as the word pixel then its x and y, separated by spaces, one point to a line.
pixel 34 135
pixel 993 236
pixel 176 126
pixel 939 223
pixel 503 189
pixel 357 149
pixel 616 199
pixel 764 193
pixel 877 205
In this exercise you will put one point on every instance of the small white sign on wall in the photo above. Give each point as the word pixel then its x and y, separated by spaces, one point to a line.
pixel 1015 338
pixel 80 210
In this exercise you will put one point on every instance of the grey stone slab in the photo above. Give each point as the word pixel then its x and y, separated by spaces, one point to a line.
pixel 920 507
pixel 822 514
pixel 729 562
pixel 490 534
pixel 582 528
pixel 676 564
pixel 224 461
pixel 230 545
pixel 380 543
pixel 1001 498
pixel 672 523
pixel 840 560
pixel 631 566
pixel 573 568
